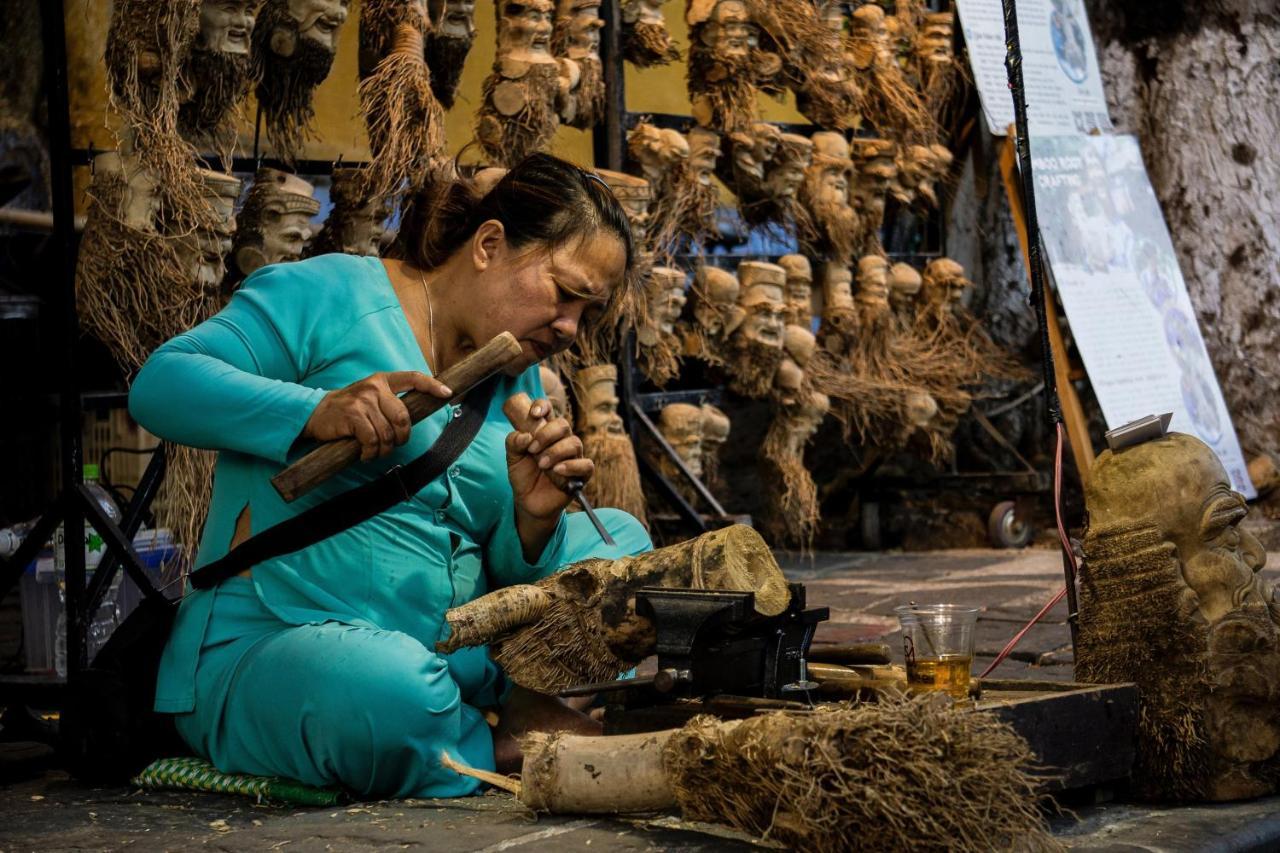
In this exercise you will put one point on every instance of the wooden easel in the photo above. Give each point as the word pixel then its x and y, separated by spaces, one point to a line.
pixel 1072 412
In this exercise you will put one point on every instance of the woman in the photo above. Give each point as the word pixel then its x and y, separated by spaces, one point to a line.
pixel 320 665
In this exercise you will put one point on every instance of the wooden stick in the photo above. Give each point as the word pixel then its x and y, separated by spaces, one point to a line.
pixel 850 653
pixel 497 780
pixel 332 456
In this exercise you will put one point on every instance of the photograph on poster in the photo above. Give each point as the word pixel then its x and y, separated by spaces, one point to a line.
pixel 1114 266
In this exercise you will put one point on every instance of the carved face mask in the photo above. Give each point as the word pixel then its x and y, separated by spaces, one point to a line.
pixel 704 151
pixel 666 300
pixel 525 31
pixel 784 175
pixel 944 282
pixel 294 42
pixel 645 40
pixel 762 299
pixel 873 282
pixel 216 72
pixel 206 249
pixel 275 223
pixel 634 194
pixel 355 224
pixel 448 44
pixel 596 390
pixel 717 299
pixel 837 286
pixel 681 425
pixel 904 286
pixel 729 31
pixel 660 152
pixel 577 37
pixel 799 287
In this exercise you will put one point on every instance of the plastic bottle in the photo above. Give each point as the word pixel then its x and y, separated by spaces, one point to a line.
pixel 107 616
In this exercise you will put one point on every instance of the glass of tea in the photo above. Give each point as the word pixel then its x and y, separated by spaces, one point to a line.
pixel 937 642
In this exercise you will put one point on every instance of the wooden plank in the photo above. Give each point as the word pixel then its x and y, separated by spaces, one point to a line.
pixel 1072 411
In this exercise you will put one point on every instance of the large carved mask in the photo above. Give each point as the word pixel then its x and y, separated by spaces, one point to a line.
pixel 1171 598
pixel 216 72
pixel 275 223
pixel 452 33
pixel 294 44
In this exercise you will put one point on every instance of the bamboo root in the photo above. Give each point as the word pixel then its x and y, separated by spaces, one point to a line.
pixel 595 775
pixel 479 621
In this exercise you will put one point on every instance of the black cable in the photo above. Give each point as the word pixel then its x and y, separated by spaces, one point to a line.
pixel 1013 65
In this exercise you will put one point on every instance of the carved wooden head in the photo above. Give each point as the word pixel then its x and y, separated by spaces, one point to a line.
pixel 596 390
pixel 764 301
pixel 1171 598
pixel 681 425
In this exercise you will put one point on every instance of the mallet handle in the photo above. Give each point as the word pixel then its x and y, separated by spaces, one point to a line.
pixel 332 456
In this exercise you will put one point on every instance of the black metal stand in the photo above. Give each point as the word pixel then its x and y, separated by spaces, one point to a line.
pixel 75 505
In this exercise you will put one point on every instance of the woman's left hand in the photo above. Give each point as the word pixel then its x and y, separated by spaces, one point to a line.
pixel 542 454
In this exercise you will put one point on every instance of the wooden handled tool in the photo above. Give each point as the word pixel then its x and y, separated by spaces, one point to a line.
pixel 516 409
pixel 332 456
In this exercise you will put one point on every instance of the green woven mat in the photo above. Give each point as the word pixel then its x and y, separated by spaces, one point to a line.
pixel 196 774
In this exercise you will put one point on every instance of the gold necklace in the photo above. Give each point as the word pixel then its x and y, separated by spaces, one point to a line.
pixel 431 325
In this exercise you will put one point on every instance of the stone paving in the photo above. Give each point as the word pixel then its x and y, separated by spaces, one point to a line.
pixel 51 812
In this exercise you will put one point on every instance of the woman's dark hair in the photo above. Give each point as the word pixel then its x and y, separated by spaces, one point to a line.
pixel 543 200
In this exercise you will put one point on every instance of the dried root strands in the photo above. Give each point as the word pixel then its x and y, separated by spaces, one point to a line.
pixel 898 774
pixel 645 39
pixel 793 513
pixel 590 631
pixel 891 102
pixel 293 50
pixel 523 95
pixel 404 119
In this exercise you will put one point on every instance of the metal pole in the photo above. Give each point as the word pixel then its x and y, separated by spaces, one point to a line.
pixel 62 257
pixel 1035 261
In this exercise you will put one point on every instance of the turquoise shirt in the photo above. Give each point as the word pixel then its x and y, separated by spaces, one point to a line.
pixel 246 381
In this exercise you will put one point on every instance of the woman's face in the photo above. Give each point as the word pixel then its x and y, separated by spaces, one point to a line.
pixel 540 297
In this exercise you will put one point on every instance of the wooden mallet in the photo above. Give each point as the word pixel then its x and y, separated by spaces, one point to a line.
pixel 332 456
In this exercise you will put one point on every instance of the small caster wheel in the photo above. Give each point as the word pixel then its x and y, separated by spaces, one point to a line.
pixel 1005 529
pixel 871 526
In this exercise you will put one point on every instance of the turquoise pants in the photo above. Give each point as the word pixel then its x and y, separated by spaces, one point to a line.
pixel 334 704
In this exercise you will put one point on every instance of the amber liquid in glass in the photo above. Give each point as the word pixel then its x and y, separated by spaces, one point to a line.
pixel 949 673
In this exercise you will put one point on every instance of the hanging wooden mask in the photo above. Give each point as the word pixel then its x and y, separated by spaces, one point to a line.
pixel 645 39
pixel 576 36
pixel 528 88
pixel 792 513
pixel 294 44
pixel 784 175
pixel 605 442
pixel 658 345
pixel 275 223
pixel 890 101
pixel 355 224
pixel 721 77
pixel 216 74
pixel 756 346
pixel 825 196
pixel 453 30
pixel 874 171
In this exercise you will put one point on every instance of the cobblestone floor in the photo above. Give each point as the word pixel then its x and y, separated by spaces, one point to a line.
pixel 50 812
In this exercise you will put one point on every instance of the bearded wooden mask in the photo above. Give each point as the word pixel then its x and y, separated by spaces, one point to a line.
pixel 799 288
pixel 661 153
pixel 681 425
pixel 635 195
pixel 205 251
pixel 216 73
pixel 715 432
pixel 528 87
pixel 722 90
pixel 875 171
pixel 763 299
pixel 791 513
pixel 553 389
pixel 449 41
pixel 294 44
pixel 905 284
pixel 275 223
pixel 355 224
pixel 660 347
pixel 944 283
pixel 577 37
pixel 645 39
pixel 890 100
pixel 825 193
pixel 1171 598
pixel 873 283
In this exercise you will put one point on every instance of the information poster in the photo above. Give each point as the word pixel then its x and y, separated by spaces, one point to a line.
pixel 1114 266
pixel 1059 66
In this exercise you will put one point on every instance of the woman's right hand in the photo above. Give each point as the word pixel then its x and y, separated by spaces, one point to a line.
pixel 370 412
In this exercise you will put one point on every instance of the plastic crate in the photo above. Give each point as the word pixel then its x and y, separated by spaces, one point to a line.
pixel 41 605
